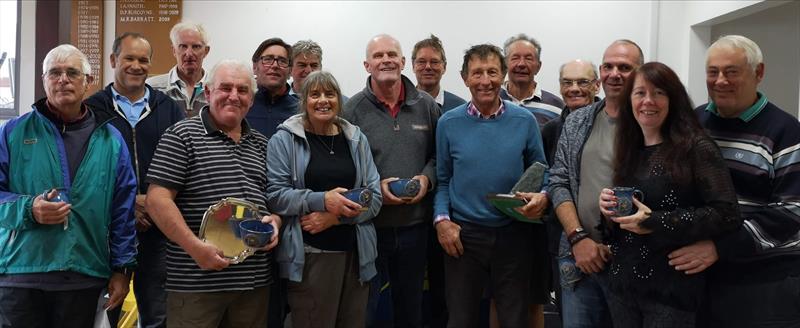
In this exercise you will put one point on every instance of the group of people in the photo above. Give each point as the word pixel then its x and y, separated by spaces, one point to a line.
pixel 97 191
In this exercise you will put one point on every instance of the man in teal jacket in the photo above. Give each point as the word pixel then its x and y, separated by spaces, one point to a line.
pixel 56 255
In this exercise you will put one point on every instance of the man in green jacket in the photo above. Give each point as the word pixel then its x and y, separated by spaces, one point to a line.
pixel 67 192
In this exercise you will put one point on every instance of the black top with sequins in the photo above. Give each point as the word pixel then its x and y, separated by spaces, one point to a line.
pixel 682 214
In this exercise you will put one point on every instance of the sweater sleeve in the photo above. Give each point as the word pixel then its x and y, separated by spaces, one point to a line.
pixel 444 171
pixel 772 224
pixel 430 166
pixel 558 187
pixel 718 213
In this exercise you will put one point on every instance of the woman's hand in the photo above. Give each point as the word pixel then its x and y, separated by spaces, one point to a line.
pixel 338 205
pixel 607 200
pixel 317 222
pixel 633 222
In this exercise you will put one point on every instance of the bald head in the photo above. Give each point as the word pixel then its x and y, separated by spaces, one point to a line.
pixel 579 83
pixel 383 39
pixel 385 60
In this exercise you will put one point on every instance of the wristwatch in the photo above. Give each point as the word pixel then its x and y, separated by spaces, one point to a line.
pixel 577 235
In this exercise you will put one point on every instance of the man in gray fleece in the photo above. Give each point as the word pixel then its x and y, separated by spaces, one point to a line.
pixel 400 123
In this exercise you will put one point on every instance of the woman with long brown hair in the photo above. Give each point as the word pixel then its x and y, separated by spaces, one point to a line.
pixel 662 150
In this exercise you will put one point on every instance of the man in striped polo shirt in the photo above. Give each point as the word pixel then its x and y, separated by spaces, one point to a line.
pixel 756 282
pixel 199 161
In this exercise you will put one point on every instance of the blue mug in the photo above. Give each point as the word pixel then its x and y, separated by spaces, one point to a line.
pixel 361 196
pixel 405 188
pixel 625 196
pixel 255 234
pixel 62 195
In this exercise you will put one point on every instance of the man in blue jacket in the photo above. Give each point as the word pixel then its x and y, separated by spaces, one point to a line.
pixel 58 254
pixel 141 114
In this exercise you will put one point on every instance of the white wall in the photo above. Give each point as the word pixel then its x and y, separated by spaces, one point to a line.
pixel 684 34
pixel 343 29
pixel 668 31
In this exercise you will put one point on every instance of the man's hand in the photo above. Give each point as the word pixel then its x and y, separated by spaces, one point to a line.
pixel 317 222
pixel 339 205
pixel 143 222
pixel 275 221
pixel 633 222
pixel 449 234
pixel 536 204
pixel 388 197
pixel 208 256
pixel 117 290
pixel 590 257
pixel 694 258
pixel 45 212
pixel 423 188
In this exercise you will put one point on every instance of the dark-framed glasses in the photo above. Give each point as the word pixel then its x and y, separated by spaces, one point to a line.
pixel 72 74
pixel 269 60
pixel 582 83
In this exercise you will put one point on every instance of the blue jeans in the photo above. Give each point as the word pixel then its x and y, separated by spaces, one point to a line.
pixel 583 301
pixel 402 256
pixel 150 278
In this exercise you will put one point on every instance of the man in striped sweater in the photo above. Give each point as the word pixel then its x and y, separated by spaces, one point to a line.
pixel 757 280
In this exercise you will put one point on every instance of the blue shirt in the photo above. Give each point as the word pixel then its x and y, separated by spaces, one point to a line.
pixel 132 111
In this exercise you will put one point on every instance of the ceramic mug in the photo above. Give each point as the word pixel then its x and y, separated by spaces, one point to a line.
pixel 625 196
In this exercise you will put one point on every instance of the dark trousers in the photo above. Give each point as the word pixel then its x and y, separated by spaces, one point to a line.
pixel 629 310
pixel 150 279
pixel 402 257
pixel 767 304
pixel 500 256
pixel 34 308
pixel 437 307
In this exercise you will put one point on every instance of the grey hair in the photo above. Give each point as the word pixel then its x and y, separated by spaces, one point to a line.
pixel 236 65
pixel 523 37
pixel 187 26
pixel 587 62
pixel 307 47
pixel 384 35
pixel 61 54
pixel 751 49
pixel 319 79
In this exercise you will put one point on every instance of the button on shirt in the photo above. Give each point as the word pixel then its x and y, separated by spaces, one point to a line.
pixel 133 111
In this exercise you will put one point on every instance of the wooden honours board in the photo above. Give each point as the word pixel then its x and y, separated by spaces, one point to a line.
pixel 86 33
pixel 153 19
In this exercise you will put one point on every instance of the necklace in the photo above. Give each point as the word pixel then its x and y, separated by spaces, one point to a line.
pixel 330 149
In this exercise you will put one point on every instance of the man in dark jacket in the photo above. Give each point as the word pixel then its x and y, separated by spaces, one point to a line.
pixel 400 123
pixel 141 114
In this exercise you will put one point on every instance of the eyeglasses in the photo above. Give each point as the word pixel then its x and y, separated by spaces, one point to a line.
pixel 582 83
pixel 424 63
pixel 72 74
pixel 269 60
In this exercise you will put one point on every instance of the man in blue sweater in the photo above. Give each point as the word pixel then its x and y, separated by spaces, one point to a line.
pixel 483 147
pixel 759 265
